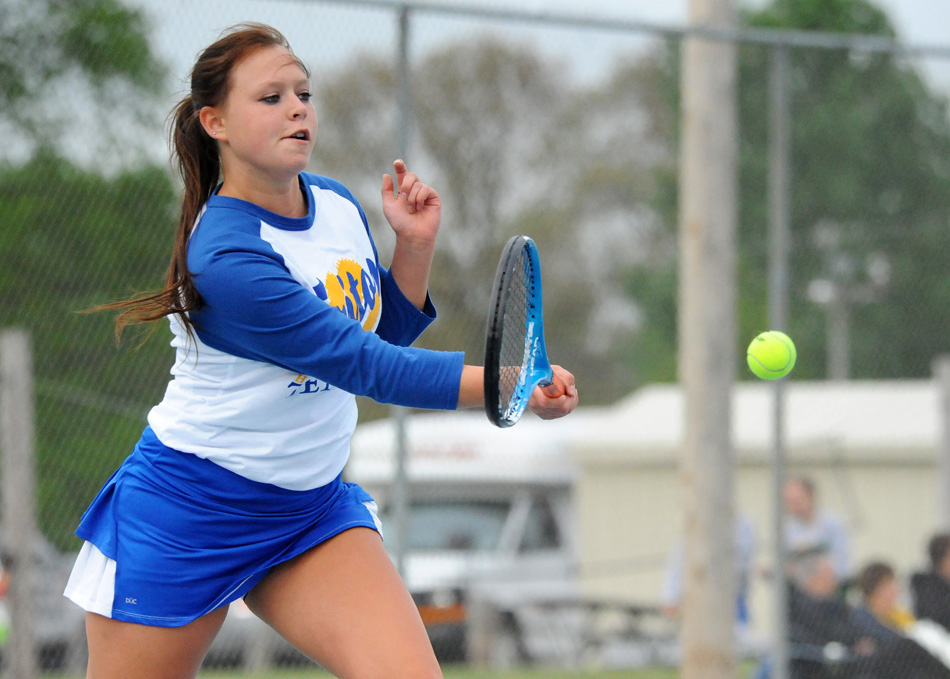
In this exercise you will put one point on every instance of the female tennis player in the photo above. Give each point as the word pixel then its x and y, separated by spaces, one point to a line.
pixel 280 313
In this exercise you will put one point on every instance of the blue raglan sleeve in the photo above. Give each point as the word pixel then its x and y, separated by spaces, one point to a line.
pixel 253 308
pixel 401 322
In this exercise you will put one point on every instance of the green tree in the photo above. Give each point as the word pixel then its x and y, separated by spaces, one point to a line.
pixel 484 115
pixel 76 236
pixel 620 172
pixel 494 125
pixel 93 54
pixel 871 183
pixel 870 172
pixel 75 239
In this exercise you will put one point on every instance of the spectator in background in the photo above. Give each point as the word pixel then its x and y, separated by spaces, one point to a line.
pixel 880 593
pixel 745 542
pixel 818 613
pixel 808 527
pixel 921 644
pixel 931 589
pixel 831 638
pixel 823 631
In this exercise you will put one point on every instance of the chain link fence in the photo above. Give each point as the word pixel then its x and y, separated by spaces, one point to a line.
pixel 562 128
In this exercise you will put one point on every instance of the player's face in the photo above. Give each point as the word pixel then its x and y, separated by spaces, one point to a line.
pixel 268 121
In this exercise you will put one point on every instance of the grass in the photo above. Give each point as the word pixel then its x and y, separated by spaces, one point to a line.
pixel 460 672
pixel 745 669
pixel 542 673
pixel 464 672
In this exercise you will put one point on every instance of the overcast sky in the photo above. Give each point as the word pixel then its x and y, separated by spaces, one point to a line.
pixel 328 33
pixel 183 27
pixel 924 22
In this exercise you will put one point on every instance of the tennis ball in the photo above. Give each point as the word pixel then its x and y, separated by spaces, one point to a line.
pixel 771 355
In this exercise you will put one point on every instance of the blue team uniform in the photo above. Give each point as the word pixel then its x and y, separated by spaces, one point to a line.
pixel 240 466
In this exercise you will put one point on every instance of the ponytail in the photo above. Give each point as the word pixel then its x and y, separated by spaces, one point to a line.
pixel 199 165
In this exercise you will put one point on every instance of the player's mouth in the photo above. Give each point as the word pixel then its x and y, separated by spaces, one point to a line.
pixel 300 135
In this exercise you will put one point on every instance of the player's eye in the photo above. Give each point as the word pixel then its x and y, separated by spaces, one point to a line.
pixel 272 99
pixel 305 96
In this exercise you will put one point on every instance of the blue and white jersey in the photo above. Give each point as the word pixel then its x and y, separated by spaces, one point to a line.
pixel 298 316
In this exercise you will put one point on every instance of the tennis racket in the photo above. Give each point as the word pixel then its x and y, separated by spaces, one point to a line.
pixel 515 357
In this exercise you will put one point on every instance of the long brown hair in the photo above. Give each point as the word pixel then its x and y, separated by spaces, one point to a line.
pixel 199 164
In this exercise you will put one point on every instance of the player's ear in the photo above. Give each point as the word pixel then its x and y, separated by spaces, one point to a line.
pixel 213 123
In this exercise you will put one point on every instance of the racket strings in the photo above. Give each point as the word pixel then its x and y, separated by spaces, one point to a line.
pixel 515 350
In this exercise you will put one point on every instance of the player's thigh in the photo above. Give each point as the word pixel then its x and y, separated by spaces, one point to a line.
pixel 343 604
pixel 118 650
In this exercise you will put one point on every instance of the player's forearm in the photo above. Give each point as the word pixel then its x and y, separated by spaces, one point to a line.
pixel 472 387
pixel 411 264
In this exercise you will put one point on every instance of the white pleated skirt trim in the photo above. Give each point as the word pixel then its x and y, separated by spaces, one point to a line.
pixel 91 584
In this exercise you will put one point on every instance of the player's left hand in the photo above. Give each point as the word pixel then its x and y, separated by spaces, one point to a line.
pixel 415 212
pixel 556 399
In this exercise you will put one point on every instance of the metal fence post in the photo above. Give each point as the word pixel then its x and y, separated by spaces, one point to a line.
pixel 941 375
pixel 400 415
pixel 779 211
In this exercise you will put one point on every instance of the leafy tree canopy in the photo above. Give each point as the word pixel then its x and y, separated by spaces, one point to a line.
pixel 73 239
pixel 75 236
pixel 56 53
pixel 870 172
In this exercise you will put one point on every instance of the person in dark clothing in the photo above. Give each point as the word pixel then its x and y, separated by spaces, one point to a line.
pixel 825 637
pixel 931 589
pixel 830 638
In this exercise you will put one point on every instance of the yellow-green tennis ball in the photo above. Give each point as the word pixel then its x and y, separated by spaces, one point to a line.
pixel 771 355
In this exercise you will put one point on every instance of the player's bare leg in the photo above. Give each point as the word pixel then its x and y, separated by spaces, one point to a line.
pixel 343 604
pixel 119 650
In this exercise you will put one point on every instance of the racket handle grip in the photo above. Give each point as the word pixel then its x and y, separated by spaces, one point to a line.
pixel 552 386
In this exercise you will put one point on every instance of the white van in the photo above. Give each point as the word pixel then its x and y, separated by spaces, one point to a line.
pixel 490 520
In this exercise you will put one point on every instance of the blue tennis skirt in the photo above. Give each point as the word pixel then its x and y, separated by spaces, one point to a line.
pixel 171 536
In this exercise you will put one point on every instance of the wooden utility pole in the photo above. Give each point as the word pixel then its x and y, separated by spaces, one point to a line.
pixel 707 341
pixel 19 491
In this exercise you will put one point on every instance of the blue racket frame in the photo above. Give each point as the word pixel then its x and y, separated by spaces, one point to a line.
pixel 520 251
